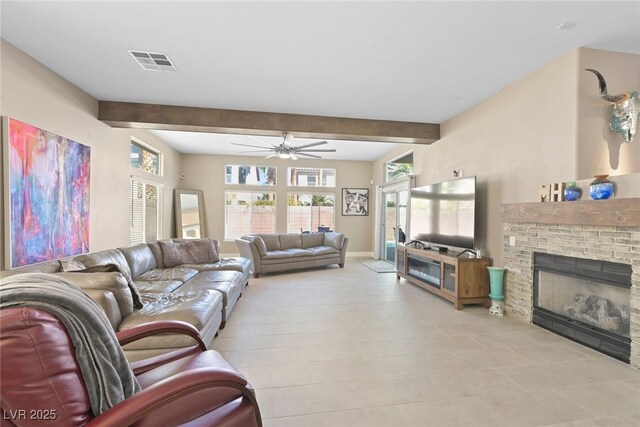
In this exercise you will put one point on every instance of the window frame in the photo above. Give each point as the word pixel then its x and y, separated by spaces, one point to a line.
pixel 275 181
pixel 146 147
pixel 311 194
pixel 386 167
pixel 335 174
pixel 228 191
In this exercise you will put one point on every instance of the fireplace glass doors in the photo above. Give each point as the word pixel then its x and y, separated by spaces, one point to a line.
pixel 585 300
pixel 590 302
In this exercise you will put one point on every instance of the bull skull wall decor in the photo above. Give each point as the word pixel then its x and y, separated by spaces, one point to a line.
pixel 626 107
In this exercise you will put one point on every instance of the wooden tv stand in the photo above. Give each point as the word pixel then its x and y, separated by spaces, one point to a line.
pixel 461 280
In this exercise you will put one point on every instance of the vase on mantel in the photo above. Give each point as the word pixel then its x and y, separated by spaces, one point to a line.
pixel 571 192
pixel 601 188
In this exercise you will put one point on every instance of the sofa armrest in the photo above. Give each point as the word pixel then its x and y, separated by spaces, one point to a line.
pixel 343 250
pixel 144 330
pixel 107 301
pixel 249 250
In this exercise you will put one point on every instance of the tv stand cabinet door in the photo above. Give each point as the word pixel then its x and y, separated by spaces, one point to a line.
pixel 449 279
pixel 473 278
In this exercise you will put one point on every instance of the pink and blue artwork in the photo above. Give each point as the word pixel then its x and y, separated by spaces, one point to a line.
pixel 49 195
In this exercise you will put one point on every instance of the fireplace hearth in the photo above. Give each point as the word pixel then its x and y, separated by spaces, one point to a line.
pixel 602 230
pixel 585 300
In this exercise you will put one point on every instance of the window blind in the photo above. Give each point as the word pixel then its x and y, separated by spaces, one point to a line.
pixel 144 223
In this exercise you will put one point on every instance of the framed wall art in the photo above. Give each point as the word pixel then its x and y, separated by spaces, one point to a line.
pixel 46 194
pixel 355 201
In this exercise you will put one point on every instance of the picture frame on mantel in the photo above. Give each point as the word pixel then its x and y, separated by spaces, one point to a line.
pixel 355 201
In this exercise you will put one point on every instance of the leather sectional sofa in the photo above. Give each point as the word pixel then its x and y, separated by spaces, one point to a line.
pixel 284 252
pixel 136 285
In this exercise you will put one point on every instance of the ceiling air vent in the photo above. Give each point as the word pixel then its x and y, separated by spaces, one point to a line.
pixel 153 61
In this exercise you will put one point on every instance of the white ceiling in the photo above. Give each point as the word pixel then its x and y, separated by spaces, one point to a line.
pixel 221 144
pixel 410 61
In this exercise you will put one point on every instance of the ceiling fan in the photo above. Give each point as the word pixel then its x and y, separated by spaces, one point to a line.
pixel 285 150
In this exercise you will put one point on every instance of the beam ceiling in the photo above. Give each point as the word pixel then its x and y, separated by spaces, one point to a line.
pixel 194 119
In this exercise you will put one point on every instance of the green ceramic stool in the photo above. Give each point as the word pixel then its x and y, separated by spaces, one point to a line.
pixel 496 283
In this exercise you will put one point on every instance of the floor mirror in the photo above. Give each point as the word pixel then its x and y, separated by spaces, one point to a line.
pixel 189 214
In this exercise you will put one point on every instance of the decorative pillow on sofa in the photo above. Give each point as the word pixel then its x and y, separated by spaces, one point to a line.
pixel 334 240
pixel 312 240
pixel 198 251
pixel 68 265
pixel 290 241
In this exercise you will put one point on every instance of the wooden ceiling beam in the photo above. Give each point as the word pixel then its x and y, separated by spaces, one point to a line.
pixel 195 119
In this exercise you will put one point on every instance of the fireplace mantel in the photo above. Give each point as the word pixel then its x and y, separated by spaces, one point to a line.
pixel 620 212
pixel 602 230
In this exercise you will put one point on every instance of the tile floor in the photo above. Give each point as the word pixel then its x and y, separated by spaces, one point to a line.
pixel 351 347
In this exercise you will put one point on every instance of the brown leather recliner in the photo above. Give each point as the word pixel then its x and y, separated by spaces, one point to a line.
pixel 41 383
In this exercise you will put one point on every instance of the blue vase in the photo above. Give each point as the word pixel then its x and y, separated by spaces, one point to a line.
pixel 601 188
pixel 571 194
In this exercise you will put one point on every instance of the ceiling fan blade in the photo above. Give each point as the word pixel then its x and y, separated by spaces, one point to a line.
pixel 316 151
pixel 270 156
pixel 247 145
pixel 257 151
pixel 308 155
pixel 311 144
pixel 264 142
pixel 292 156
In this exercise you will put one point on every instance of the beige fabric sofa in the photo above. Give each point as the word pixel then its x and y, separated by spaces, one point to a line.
pixel 134 286
pixel 284 252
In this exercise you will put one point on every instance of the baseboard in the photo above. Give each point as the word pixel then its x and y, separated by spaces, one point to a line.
pixel 359 254
pixel 349 254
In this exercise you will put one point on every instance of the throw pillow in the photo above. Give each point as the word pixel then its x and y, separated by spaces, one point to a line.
pixel 106 268
pixel 312 240
pixel 334 240
pixel 68 265
pixel 198 251
pixel 290 241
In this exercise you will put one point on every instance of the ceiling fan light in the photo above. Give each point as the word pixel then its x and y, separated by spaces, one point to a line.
pixel 283 155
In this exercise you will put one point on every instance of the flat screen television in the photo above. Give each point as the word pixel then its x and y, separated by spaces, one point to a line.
pixel 444 214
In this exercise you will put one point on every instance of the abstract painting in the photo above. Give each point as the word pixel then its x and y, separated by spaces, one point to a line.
pixel 355 201
pixel 48 195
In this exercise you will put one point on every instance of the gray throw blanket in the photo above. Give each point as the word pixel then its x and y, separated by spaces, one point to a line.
pixel 104 367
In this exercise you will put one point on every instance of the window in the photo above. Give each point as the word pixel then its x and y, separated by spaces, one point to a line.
pixel 144 214
pixel 307 212
pixel 311 177
pixel 249 212
pixel 144 158
pixel 250 175
pixel 400 167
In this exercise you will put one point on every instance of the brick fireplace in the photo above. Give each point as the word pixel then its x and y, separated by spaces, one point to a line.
pixel 605 230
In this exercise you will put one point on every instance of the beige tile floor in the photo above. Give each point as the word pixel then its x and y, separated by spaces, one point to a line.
pixel 351 347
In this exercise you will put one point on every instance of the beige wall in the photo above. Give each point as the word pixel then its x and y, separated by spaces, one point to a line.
pixel 600 150
pixel 514 141
pixel 34 94
pixel 206 173
pixel 551 126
